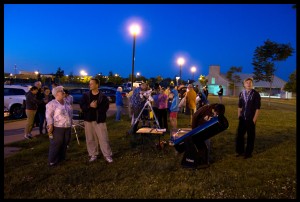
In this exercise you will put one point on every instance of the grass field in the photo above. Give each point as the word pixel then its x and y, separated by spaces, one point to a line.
pixel 151 173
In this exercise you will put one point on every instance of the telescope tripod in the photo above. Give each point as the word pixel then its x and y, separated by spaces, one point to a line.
pixel 147 104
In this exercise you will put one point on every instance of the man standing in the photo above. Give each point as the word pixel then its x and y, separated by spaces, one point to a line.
pixel 94 105
pixel 220 93
pixel 248 110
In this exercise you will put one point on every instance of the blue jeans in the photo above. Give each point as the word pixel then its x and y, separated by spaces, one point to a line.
pixel 118 115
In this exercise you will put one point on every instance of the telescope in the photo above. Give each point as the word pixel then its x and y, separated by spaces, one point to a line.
pixel 193 142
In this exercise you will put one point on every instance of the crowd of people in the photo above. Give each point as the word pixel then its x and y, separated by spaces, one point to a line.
pixel 52 112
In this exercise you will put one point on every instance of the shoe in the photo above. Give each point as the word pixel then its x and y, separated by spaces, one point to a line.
pixel 109 159
pixel 29 137
pixel 93 158
pixel 247 156
pixel 240 154
pixel 52 164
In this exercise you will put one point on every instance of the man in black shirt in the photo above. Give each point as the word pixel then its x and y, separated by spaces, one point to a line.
pixel 248 110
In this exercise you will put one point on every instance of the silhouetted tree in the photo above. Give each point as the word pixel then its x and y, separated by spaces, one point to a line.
pixel 264 58
pixel 233 77
pixel 59 74
pixel 291 85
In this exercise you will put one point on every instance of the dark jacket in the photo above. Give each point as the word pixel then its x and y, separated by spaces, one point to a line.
pixel 249 108
pixel 102 103
pixel 31 101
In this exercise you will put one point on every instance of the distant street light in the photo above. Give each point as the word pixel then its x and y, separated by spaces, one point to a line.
pixel 180 62
pixel 137 74
pixel 37 75
pixel 193 69
pixel 177 78
pixel 83 73
pixel 134 30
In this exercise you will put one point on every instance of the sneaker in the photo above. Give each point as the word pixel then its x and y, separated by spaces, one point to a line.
pixel 29 137
pixel 109 159
pixel 52 164
pixel 93 158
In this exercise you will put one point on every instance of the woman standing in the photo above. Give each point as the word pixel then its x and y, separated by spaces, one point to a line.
pixel 59 115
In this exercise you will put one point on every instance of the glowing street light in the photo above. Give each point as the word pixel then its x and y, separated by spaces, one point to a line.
pixel 134 30
pixel 37 75
pixel 193 69
pixel 180 62
pixel 138 74
pixel 177 78
pixel 83 73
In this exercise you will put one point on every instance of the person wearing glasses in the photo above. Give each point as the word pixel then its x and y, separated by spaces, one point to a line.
pixel 59 114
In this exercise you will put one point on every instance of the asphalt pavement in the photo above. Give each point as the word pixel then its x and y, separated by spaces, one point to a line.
pixel 14 130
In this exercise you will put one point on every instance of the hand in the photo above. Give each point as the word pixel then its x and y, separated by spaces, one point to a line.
pixel 50 128
pixel 93 104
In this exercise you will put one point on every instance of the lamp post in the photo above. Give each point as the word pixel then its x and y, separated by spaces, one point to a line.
pixel 134 30
pixel 180 62
pixel 193 69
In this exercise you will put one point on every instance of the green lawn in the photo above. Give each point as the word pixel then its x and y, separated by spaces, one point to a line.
pixel 150 173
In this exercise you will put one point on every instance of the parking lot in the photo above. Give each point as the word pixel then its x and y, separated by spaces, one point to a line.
pixel 14 130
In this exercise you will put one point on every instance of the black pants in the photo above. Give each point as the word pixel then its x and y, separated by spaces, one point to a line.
pixel 58 145
pixel 245 126
pixel 163 118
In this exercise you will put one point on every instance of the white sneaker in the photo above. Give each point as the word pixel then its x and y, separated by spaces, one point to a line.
pixel 29 137
pixel 93 158
pixel 109 159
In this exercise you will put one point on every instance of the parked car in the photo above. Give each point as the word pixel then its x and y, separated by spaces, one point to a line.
pixel 111 93
pixel 108 91
pixel 77 94
pixel 14 97
pixel 6 113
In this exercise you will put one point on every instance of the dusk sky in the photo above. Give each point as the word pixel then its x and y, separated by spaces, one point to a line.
pixel 96 37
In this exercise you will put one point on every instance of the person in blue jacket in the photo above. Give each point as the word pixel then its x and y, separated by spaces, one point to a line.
pixel 119 103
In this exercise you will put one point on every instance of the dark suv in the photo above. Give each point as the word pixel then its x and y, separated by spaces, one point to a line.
pixel 108 91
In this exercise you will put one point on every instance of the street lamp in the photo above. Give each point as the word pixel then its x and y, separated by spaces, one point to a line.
pixel 137 74
pixel 37 75
pixel 134 30
pixel 193 69
pixel 83 73
pixel 180 62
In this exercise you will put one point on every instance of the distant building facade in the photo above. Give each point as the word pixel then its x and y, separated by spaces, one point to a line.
pixel 216 78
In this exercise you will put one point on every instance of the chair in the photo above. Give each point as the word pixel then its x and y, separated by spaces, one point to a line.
pixel 77 122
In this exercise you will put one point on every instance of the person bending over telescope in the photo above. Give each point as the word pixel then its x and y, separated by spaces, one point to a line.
pixel 207 121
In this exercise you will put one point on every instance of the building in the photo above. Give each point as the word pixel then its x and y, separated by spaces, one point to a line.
pixel 216 78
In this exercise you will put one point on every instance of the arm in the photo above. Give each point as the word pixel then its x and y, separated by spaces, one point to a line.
pixel 255 116
pixel 239 112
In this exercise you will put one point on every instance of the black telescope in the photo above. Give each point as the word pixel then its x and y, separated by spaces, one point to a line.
pixel 194 141
pixel 203 132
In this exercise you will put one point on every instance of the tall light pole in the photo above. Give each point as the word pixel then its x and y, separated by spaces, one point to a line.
pixel 134 30
pixel 180 62
pixel 193 69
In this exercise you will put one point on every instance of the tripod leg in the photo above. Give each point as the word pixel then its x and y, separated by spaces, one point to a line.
pixel 137 119
pixel 156 121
